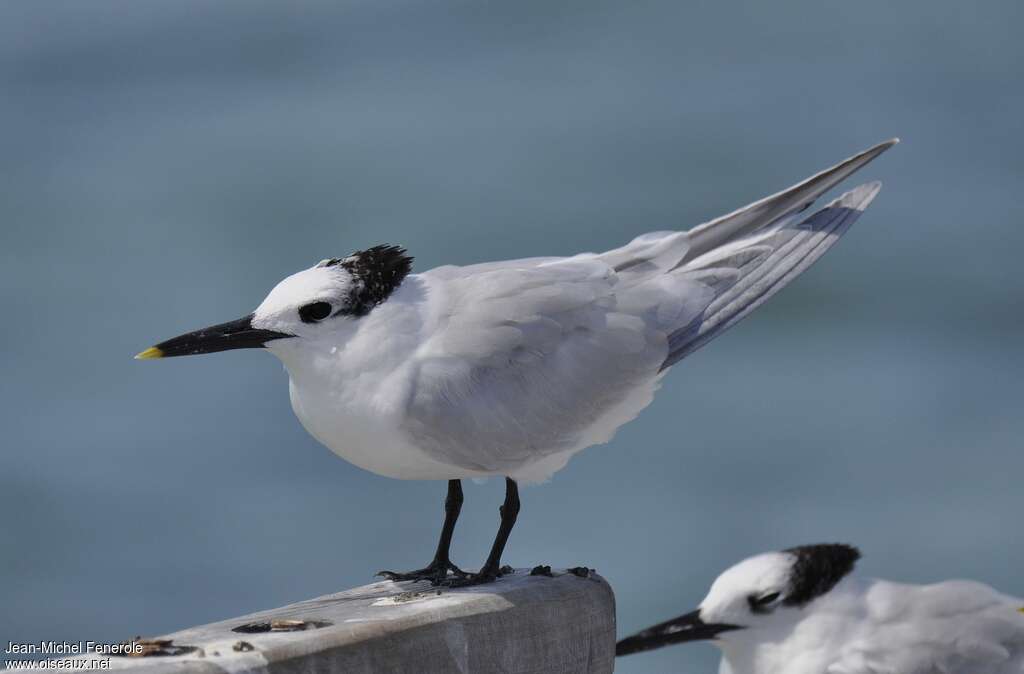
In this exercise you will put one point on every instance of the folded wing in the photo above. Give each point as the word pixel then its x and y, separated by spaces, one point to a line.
pixel 529 359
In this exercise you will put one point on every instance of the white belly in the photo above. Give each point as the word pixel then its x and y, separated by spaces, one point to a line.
pixel 367 436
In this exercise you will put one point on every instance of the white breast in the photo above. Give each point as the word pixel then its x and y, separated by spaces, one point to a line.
pixel 352 425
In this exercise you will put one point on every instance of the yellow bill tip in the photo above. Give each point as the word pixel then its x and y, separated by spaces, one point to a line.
pixel 151 352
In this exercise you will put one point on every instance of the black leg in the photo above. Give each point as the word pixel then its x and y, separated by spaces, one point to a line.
pixel 491 569
pixel 438 569
pixel 452 508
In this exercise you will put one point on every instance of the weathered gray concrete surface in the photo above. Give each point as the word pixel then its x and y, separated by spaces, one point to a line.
pixel 521 623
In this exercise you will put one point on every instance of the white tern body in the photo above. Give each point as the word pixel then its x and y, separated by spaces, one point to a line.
pixel 509 368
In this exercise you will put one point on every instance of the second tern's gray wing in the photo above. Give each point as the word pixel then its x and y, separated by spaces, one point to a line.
pixel 953 627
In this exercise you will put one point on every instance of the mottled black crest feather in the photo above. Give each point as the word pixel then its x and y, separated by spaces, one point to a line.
pixel 817 569
pixel 376 273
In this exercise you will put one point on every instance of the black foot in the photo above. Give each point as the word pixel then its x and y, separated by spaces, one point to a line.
pixel 483 577
pixel 436 573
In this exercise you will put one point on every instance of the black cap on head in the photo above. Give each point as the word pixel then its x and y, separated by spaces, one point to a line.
pixel 817 569
pixel 377 272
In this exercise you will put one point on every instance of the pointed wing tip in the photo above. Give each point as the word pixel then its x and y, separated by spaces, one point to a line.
pixel 873 152
pixel 860 197
pixel 798 197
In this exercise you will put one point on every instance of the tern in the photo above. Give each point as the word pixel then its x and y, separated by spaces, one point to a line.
pixel 799 611
pixel 509 368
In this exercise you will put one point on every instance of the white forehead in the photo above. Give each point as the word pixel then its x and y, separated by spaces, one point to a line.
pixel 309 285
pixel 768 571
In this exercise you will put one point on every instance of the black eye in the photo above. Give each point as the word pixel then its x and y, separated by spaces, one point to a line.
pixel 317 311
pixel 763 603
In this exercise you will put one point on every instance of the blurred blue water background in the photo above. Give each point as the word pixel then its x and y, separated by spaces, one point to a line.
pixel 164 163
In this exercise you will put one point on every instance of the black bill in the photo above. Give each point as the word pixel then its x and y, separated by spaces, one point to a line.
pixel 688 627
pixel 231 335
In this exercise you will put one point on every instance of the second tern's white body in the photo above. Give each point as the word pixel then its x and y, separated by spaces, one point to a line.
pixel 509 368
pixel 799 611
pixel 869 626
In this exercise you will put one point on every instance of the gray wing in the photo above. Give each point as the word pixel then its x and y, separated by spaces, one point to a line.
pixel 535 359
pixel 751 254
pixel 752 270
pixel 711 235
pixel 528 359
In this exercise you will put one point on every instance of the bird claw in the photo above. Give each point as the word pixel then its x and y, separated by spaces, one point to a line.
pixel 482 577
pixel 436 573
pixel 470 580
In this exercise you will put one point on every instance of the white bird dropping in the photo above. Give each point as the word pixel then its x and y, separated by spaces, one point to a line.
pixel 800 612
pixel 509 368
